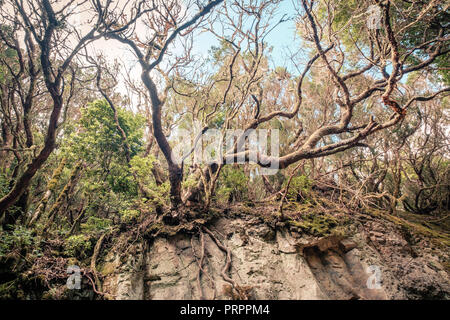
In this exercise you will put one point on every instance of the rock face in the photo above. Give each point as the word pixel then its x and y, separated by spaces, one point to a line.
pixel 278 264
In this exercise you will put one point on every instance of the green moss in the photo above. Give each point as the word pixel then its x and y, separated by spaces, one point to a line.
pixel 129 215
pixel 94 224
pixel 317 225
pixel 56 175
pixel 20 239
pixel 160 229
pixel 155 228
pixel 436 236
pixel 300 185
pixel 107 269
pixel 64 193
pixel 78 246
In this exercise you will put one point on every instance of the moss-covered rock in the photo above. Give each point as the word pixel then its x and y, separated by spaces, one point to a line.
pixel 316 225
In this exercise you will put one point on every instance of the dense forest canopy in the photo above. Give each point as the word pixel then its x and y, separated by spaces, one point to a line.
pixel 96 95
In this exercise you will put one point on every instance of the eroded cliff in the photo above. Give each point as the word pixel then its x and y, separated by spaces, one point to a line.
pixel 377 259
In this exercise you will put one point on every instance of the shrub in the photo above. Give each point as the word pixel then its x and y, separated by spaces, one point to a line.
pixel 94 224
pixel 129 215
pixel 19 238
pixel 78 246
pixel 299 188
pixel 233 185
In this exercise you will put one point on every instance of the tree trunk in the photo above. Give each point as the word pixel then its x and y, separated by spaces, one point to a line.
pixel 24 181
pixel 64 195
pixel 175 171
pixel 50 188
pixel 175 176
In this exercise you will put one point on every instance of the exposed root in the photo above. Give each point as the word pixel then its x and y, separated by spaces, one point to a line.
pixel 97 248
pixel 96 284
pixel 94 288
pixel 200 263
pixel 200 267
pixel 280 208
pixel 239 292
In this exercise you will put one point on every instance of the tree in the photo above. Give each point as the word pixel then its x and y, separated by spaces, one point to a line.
pixel 166 22
pixel 388 56
pixel 363 65
pixel 58 43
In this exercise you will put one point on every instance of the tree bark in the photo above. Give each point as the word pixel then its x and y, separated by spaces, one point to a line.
pixel 24 180
pixel 175 171
pixel 50 189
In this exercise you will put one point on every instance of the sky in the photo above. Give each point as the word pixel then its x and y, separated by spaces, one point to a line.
pixel 280 38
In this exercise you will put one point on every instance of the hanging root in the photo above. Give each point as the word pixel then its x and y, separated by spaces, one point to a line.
pixel 237 292
pixel 200 266
pixel 96 284
pixel 94 288
pixel 97 248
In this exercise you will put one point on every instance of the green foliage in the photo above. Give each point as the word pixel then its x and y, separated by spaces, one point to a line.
pixel 429 192
pixel 19 238
pixel 78 246
pixel 8 55
pixel 141 166
pixel 4 185
pixel 220 52
pixel 300 185
pixel 98 139
pixel 218 120
pixel 161 194
pixel 109 201
pixel 95 225
pixel 317 224
pixel 443 65
pixel 95 138
pixel 129 215
pixel 233 184
pixel 418 32
pixel 189 182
